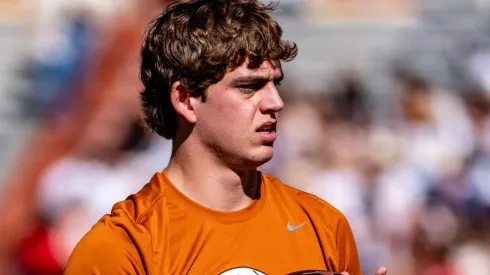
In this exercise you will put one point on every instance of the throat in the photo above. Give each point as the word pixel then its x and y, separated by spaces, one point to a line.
pixel 225 192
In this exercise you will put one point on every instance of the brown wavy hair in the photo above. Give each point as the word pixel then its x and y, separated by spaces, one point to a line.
pixel 196 42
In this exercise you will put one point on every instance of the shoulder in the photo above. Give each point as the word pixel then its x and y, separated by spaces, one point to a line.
pixel 140 207
pixel 124 236
pixel 143 212
pixel 316 207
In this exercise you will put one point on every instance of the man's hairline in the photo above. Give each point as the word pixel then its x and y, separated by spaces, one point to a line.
pixel 273 66
pixel 251 75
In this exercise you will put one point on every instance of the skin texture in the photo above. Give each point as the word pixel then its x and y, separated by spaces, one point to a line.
pixel 227 121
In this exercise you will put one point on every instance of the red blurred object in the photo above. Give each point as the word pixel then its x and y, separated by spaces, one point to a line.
pixel 36 255
pixel 440 268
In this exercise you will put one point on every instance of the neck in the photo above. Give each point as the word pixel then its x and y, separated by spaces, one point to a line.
pixel 205 179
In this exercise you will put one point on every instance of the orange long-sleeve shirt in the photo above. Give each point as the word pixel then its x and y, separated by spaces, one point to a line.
pixel 161 231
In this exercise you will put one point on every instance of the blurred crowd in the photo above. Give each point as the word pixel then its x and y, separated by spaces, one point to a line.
pixel 411 179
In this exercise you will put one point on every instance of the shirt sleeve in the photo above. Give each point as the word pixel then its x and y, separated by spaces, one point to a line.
pixel 115 245
pixel 347 248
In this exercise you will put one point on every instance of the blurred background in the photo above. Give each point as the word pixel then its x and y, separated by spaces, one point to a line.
pixel 387 118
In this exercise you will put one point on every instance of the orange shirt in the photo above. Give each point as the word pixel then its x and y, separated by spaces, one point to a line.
pixel 161 231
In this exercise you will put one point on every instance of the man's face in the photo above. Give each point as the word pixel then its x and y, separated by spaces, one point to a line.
pixel 237 121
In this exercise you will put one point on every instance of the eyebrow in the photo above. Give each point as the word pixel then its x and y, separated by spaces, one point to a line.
pixel 252 79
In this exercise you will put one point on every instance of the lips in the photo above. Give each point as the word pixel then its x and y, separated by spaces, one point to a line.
pixel 267 132
pixel 267 127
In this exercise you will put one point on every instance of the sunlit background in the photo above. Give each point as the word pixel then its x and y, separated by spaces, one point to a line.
pixel 387 118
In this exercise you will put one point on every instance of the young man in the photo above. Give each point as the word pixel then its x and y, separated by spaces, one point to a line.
pixel 210 70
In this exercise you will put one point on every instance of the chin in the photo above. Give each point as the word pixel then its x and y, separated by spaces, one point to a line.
pixel 262 156
pixel 252 158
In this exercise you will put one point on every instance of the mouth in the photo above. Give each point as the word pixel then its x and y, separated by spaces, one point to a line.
pixel 267 127
pixel 267 131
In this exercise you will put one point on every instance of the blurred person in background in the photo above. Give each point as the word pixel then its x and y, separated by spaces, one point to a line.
pixel 108 90
pixel 345 124
pixel 434 140
pixel 477 103
pixel 343 178
pixel 478 167
pixel 435 230
pixel 79 188
pixel 64 36
pixel 434 125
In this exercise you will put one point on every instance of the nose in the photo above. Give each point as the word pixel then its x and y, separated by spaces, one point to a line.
pixel 272 101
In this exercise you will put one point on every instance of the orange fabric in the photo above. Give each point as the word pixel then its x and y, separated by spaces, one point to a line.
pixel 160 231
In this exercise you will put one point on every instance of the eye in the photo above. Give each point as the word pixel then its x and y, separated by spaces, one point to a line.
pixel 249 88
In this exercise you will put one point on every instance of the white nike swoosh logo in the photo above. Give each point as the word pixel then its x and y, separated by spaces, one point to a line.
pixel 293 227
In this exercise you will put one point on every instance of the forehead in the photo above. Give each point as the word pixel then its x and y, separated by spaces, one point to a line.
pixel 265 70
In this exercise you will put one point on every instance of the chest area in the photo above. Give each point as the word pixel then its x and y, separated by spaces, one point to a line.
pixel 278 244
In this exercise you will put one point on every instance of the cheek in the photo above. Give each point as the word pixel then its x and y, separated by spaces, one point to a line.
pixel 228 118
pixel 220 122
pixel 245 115
pixel 237 121
pixel 236 114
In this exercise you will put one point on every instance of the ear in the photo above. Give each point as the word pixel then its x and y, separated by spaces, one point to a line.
pixel 183 102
